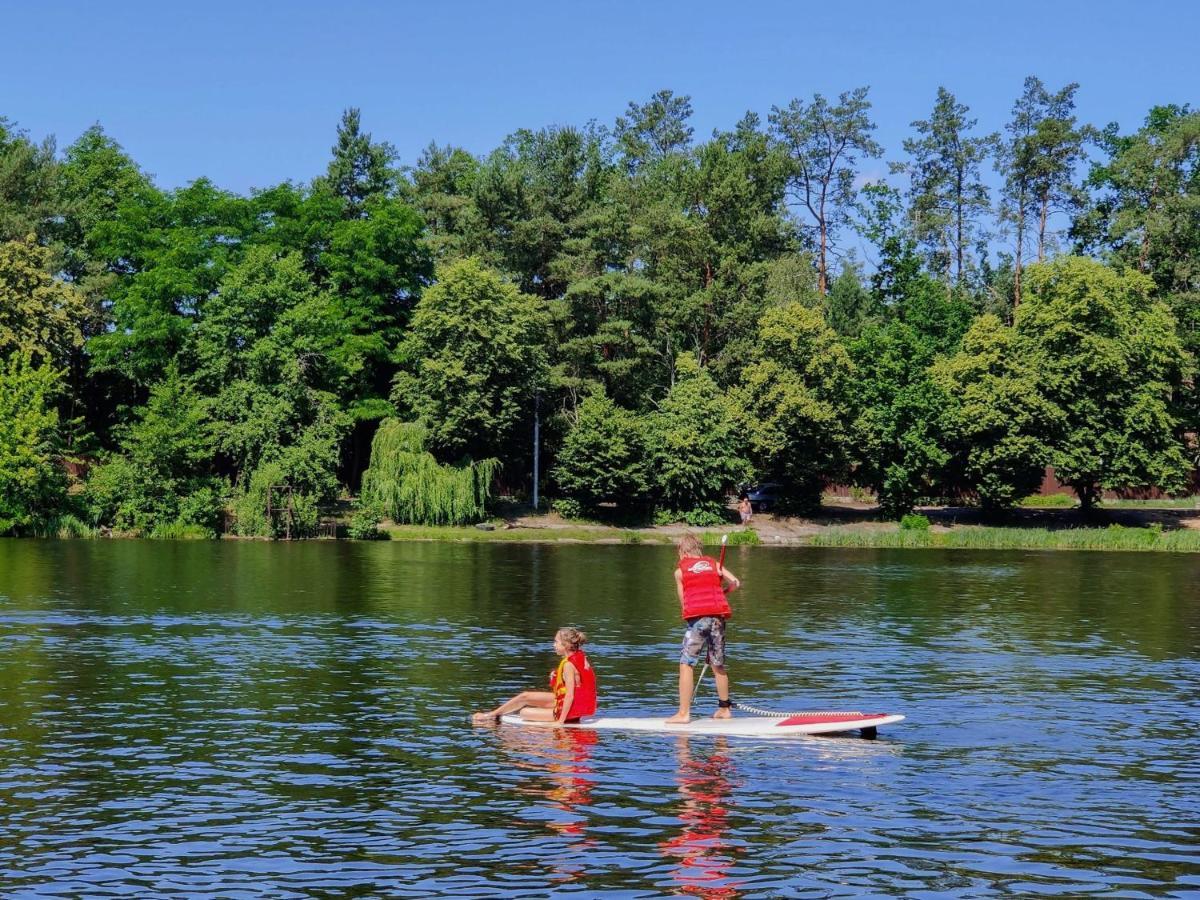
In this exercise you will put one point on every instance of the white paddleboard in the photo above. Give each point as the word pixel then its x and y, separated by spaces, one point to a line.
pixel 741 726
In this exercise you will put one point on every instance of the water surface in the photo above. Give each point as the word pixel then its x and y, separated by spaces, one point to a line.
pixel 247 719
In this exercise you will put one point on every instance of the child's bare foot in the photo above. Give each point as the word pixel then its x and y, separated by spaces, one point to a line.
pixel 484 719
pixel 723 713
pixel 679 719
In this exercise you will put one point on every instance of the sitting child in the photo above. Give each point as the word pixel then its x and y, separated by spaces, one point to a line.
pixel 572 691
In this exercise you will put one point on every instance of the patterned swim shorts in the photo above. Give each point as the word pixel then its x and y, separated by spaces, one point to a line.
pixel 704 633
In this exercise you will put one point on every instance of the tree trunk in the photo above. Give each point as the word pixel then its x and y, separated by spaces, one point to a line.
pixel 1020 245
pixel 1042 216
pixel 822 281
pixel 958 202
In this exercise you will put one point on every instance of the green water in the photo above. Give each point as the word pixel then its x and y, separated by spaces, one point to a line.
pixel 249 719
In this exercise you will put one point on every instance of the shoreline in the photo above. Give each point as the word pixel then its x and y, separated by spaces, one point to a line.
pixel 1141 529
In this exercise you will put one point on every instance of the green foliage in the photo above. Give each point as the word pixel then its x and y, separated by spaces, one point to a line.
pixel 914 522
pixel 163 478
pixel 27 171
pixel 897 434
pixel 1049 501
pixel 266 353
pixel 695 447
pixel 68 526
pixel 364 525
pixel 794 397
pixel 410 486
pixel 33 485
pixel 376 267
pixel 361 169
pixel 747 537
pixel 1109 358
pixel 1000 427
pixel 180 531
pixel 568 508
pixel 271 506
pixel 603 457
pixel 39 316
pixel 474 355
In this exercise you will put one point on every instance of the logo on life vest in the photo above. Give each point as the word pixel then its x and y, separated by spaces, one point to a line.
pixel 701 565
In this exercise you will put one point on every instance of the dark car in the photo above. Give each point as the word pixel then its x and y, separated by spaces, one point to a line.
pixel 764 497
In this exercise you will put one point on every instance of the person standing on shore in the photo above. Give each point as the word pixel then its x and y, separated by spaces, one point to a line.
pixel 702 585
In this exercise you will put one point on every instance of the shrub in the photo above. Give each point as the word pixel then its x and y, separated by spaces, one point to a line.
pixel 914 522
pixel 364 525
pixel 568 508
pixel 703 517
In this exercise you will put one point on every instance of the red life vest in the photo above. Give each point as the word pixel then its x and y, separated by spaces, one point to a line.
pixel 584 701
pixel 702 594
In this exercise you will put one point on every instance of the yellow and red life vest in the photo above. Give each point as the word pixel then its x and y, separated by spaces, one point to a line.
pixel 584 701
pixel 702 594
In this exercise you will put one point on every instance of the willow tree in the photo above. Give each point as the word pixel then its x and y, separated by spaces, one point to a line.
pixel 409 486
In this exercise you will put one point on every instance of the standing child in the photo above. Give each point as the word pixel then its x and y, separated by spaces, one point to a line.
pixel 572 691
pixel 702 584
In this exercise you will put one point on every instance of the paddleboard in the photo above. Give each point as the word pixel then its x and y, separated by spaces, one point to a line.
pixel 741 726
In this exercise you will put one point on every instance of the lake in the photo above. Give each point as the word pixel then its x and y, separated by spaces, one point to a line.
pixel 289 720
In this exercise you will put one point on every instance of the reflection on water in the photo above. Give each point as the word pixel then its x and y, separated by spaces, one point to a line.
pixel 237 719
pixel 702 849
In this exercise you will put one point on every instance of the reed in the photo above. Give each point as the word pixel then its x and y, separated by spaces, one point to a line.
pixel 973 537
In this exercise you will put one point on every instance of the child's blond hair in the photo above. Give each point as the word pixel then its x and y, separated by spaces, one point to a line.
pixel 689 545
pixel 572 638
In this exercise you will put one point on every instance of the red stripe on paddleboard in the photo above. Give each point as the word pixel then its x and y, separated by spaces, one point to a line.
pixel 823 718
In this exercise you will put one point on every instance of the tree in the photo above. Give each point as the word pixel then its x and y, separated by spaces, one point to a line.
pixel 163 476
pixel 946 194
pixel 376 267
pixel 33 486
pixel 360 168
pixel 654 130
pixel 472 360
pixel 1145 211
pixel 443 186
pixel 695 447
pixel 1038 162
pixel 39 315
pixel 603 457
pixel 1109 357
pixel 171 251
pixel 824 143
pixel 266 356
pixel 1000 427
pixel 795 395
pixel 897 434
pixel 27 171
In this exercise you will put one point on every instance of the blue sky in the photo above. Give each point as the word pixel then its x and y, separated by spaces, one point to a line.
pixel 249 93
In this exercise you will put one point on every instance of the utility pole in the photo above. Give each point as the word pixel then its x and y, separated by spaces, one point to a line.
pixel 536 424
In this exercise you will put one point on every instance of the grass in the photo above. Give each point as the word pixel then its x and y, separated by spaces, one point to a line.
pixel 572 533
pixel 979 537
pixel 1050 501
pixel 1160 503
pixel 1070 501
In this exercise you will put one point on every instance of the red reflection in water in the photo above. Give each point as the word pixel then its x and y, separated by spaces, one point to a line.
pixel 703 856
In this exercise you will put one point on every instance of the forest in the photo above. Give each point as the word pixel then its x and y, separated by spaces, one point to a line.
pixel 783 301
